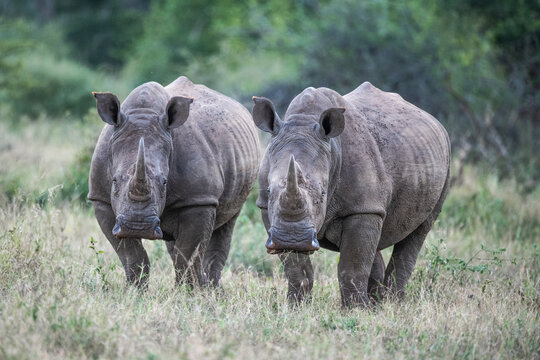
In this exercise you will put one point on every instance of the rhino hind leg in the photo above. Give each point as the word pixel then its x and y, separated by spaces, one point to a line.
pixel 376 278
pixel 218 251
pixel 405 252
pixel 402 261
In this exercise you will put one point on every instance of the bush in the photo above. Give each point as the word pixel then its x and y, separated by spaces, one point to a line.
pixel 36 76
pixel 75 187
pixel 51 86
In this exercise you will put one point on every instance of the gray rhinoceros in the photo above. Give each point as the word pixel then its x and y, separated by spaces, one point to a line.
pixel 355 174
pixel 154 177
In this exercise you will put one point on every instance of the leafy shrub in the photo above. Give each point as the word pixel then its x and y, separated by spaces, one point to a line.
pixel 15 38
pixel 36 76
pixel 51 86
pixel 75 187
pixel 482 261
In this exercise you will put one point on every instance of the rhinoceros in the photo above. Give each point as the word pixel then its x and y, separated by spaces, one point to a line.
pixel 355 174
pixel 173 163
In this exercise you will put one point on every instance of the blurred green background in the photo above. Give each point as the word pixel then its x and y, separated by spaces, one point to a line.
pixel 473 64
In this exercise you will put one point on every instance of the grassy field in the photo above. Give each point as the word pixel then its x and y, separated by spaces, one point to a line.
pixel 474 292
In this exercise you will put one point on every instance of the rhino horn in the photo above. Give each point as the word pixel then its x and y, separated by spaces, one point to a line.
pixel 140 167
pixel 292 202
pixel 139 189
pixel 292 180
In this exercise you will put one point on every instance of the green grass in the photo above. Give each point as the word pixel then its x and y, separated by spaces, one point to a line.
pixel 474 292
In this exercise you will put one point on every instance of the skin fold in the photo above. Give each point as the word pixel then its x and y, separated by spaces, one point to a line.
pixel 173 163
pixel 356 174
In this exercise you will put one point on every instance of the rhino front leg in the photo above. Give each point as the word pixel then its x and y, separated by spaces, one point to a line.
pixel 299 273
pixel 194 228
pixel 130 251
pixel 359 240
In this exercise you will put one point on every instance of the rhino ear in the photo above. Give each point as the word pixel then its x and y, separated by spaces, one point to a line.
pixel 265 115
pixel 177 111
pixel 108 107
pixel 332 122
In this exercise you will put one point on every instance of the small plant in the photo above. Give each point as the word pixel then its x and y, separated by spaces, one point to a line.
pixel 100 267
pixel 333 322
pixel 482 261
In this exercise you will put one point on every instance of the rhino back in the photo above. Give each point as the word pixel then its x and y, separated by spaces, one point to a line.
pixel 216 152
pixel 404 161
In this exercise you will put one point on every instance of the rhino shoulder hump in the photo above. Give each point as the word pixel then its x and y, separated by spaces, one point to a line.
pixel 181 81
pixel 366 89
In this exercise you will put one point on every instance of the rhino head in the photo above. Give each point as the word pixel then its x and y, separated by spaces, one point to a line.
pixel 140 152
pixel 298 168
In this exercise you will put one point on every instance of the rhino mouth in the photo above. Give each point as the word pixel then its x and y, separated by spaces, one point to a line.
pixel 296 240
pixel 148 228
pixel 277 252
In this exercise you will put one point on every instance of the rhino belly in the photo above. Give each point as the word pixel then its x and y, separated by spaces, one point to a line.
pixel 410 206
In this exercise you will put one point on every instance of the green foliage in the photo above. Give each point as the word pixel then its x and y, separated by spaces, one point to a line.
pixel 51 86
pixel 15 38
pixel 515 29
pixel 247 249
pixel 473 64
pixel 487 209
pixel 333 322
pixel 484 260
pixel 103 32
pixel 99 33
pixel 101 270
pixel 35 75
pixel 406 47
pixel 250 209
pixel 173 36
pixel 75 185
pixel 181 33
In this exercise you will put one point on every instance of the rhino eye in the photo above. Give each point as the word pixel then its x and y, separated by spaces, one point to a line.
pixel 268 190
pixel 164 182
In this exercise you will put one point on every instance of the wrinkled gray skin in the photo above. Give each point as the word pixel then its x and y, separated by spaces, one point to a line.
pixel 175 163
pixel 355 174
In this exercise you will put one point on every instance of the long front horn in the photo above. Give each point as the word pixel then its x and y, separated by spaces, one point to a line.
pixel 140 167
pixel 139 189
pixel 292 181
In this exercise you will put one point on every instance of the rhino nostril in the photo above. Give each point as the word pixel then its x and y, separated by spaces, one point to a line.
pixel 314 241
pixel 116 229
pixel 269 242
pixel 158 233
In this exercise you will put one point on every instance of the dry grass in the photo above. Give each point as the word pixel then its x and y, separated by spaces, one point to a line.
pixel 467 298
